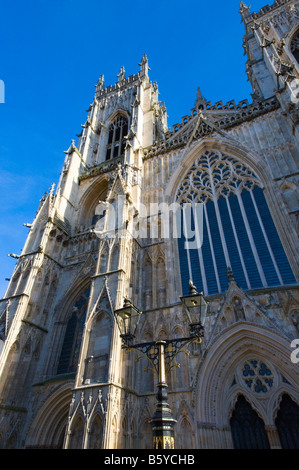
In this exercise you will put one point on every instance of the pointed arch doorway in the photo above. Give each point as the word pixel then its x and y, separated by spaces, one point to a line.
pixel 248 429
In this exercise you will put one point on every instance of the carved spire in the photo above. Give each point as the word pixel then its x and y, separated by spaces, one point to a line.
pixel 244 12
pixel 100 85
pixel 200 101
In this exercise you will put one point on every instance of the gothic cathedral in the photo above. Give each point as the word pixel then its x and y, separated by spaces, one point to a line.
pixel 66 381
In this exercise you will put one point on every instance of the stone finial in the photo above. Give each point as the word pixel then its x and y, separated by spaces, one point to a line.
pixel 200 101
pixel 121 75
pixel 243 7
pixel 52 187
pixel 144 68
pixel 230 274
pixel 71 148
pixel 244 11
pixel 100 85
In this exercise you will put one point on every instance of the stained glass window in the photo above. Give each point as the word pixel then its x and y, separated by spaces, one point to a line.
pixel 257 376
pixel 69 355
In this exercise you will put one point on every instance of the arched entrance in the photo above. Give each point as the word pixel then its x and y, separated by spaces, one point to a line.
pixel 222 378
pixel 47 430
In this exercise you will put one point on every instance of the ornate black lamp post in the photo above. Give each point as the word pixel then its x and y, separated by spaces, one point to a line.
pixel 162 356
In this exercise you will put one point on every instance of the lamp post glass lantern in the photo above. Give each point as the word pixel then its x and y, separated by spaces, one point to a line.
pixel 127 320
pixel 162 354
pixel 196 308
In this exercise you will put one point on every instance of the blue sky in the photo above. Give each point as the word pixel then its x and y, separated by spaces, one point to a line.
pixel 52 54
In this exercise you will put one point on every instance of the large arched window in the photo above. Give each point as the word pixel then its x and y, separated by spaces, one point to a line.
pixel 238 230
pixel 295 45
pixel 69 355
pixel 116 138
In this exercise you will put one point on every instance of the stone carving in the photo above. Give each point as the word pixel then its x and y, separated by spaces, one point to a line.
pixel 121 75
pixel 235 114
pixel 238 309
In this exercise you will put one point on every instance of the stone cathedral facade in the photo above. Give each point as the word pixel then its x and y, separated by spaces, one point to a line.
pixel 65 380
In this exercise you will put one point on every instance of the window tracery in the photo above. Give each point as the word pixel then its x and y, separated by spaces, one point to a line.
pixel 215 174
pixel 257 376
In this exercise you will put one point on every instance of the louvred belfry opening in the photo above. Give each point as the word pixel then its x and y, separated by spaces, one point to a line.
pixel 116 138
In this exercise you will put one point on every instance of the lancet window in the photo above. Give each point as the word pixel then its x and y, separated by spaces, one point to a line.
pixel 248 429
pixel 69 356
pixel 238 230
pixel 116 137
